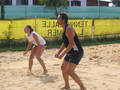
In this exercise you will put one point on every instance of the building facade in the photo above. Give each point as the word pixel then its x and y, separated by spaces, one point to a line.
pixel 97 3
pixel 21 2
pixel 88 3
pixel 70 2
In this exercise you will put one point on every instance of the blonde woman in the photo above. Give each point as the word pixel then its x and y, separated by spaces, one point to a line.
pixel 39 45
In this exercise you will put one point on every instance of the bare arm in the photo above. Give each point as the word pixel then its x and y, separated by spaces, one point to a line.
pixel 62 48
pixel 28 47
pixel 36 39
pixel 70 35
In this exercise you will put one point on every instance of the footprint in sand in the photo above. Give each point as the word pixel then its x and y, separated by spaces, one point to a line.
pixel 92 48
pixel 90 58
pixel 109 75
pixel 56 64
pixel 3 57
pixel 95 57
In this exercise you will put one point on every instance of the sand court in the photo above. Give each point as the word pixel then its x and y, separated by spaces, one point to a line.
pixel 99 69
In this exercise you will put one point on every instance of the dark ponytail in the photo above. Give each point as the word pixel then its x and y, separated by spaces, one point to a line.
pixel 31 30
pixel 64 17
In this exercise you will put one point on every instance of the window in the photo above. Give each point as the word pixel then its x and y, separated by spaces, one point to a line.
pixel 18 2
pixel 75 3
pixel 7 2
pixel 22 2
pixel 67 3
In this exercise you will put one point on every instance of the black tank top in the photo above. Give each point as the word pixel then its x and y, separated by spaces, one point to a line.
pixel 77 46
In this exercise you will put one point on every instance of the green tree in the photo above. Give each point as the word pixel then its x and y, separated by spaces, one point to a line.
pixel 55 4
pixel 24 2
pixel 116 2
pixel 2 9
pixel 8 34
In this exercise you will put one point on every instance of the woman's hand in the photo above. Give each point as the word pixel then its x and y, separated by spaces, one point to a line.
pixel 56 55
pixel 61 56
pixel 25 52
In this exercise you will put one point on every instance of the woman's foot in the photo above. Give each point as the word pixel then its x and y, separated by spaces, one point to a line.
pixel 83 88
pixel 65 88
pixel 45 72
pixel 29 72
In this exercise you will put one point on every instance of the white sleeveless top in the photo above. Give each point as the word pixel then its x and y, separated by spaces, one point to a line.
pixel 31 39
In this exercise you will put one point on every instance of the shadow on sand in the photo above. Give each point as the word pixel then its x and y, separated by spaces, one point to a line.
pixel 46 78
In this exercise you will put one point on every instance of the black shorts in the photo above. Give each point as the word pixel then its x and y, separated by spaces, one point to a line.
pixel 74 57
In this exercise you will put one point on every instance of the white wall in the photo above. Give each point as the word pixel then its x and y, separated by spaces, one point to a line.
pixel 83 2
pixel 13 2
pixel 30 2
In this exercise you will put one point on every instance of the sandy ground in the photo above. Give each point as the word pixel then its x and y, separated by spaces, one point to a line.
pixel 99 70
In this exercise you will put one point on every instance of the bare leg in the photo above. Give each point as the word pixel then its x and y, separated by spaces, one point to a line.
pixel 42 64
pixel 65 74
pixel 31 58
pixel 30 64
pixel 75 76
pixel 38 56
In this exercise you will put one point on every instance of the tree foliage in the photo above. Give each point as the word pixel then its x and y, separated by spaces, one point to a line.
pixel 55 4
pixel 2 9
pixel 116 2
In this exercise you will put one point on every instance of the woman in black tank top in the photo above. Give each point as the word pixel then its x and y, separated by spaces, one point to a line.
pixel 76 41
pixel 72 50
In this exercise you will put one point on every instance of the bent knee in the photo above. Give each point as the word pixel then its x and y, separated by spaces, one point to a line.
pixel 31 56
pixel 69 72
pixel 38 57
pixel 62 67
pixel 64 70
